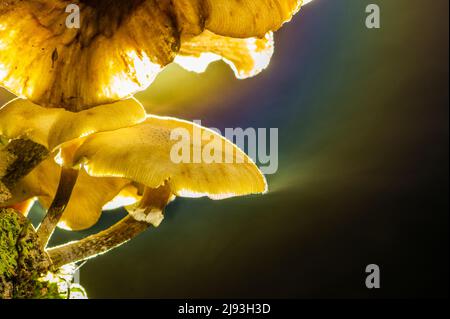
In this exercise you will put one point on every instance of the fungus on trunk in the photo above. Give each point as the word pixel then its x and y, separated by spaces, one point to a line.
pixel 78 142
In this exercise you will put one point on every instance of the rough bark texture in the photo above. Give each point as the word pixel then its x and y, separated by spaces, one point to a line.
pixel 17 159
pixel 100 243
pixel 24 156
pixel 23 263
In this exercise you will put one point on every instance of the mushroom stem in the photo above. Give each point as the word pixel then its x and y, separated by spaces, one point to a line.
pixel 147 212
pixel 66 184
pixel 96 244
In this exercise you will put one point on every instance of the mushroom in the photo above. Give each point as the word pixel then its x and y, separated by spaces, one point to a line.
pixel 123 160
pixel 77 141
pixel 50 128
pixel 121 46
pixel 87 199
pixel 247 57
pixel 57 132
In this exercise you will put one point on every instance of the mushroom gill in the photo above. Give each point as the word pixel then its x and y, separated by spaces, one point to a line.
pixel 131 153
pixel 112 164
pixel 88 197
pixel 213 166
pixel 120 46
pixel 50 128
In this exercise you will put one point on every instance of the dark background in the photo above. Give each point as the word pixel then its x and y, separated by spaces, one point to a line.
pixel 363 171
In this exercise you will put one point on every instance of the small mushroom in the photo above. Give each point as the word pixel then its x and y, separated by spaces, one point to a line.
pixel 213 166
pixel 121 46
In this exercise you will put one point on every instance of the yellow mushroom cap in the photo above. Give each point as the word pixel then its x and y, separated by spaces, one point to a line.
pixel 88 198
pixel 147 153
pixel 53 127
pixel 247 57
pixel 248 18
pixel 120 46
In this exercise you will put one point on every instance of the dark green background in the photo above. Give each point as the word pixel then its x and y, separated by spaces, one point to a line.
pixel 363 172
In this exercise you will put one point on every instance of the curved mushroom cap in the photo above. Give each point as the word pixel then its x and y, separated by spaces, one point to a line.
pixel 88 198
pixel 120 46
pixel 192 160
pixel 53 127
pixel 247 57
pixel 248 18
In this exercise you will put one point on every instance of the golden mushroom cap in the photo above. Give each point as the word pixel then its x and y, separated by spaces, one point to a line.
pixel 53 127
pixel 248 18
pixel 246 57
pixel 145 152
pixel 122 45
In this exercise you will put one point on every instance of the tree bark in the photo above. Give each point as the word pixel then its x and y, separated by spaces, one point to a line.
pixel 22 261
pixel 18 158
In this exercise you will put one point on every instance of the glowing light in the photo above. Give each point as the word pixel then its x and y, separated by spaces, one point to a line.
pixel 246 57
pixel 197 64
pixel 190 194
pixel 120 201
pixel 64 281
pixel 141 74
pixel 261 57
pixel 58 158
pixel 3 71
pixel 87 133
pixel 64 226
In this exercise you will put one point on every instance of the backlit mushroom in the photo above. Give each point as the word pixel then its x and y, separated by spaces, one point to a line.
pixel 50 128
pixel 57 132
pixel 141 157
pixel 122 45
pixel 87 200
pixel 77 141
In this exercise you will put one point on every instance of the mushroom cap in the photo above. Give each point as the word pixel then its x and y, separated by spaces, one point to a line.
pixel 53 127
pixel 114 161
pixel 248 18
pixel 120 46
pixel 88 198
pixel 145 153
pixel 246 57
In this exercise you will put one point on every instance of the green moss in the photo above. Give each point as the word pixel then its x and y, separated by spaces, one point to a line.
pixel 24 267
pixel 10 229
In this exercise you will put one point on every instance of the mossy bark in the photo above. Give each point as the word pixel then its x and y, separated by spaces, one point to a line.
pixel 17 158
pixel 23 263
pixel 24 266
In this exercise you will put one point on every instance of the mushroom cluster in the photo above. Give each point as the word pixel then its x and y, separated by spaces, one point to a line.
pixel 76 139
